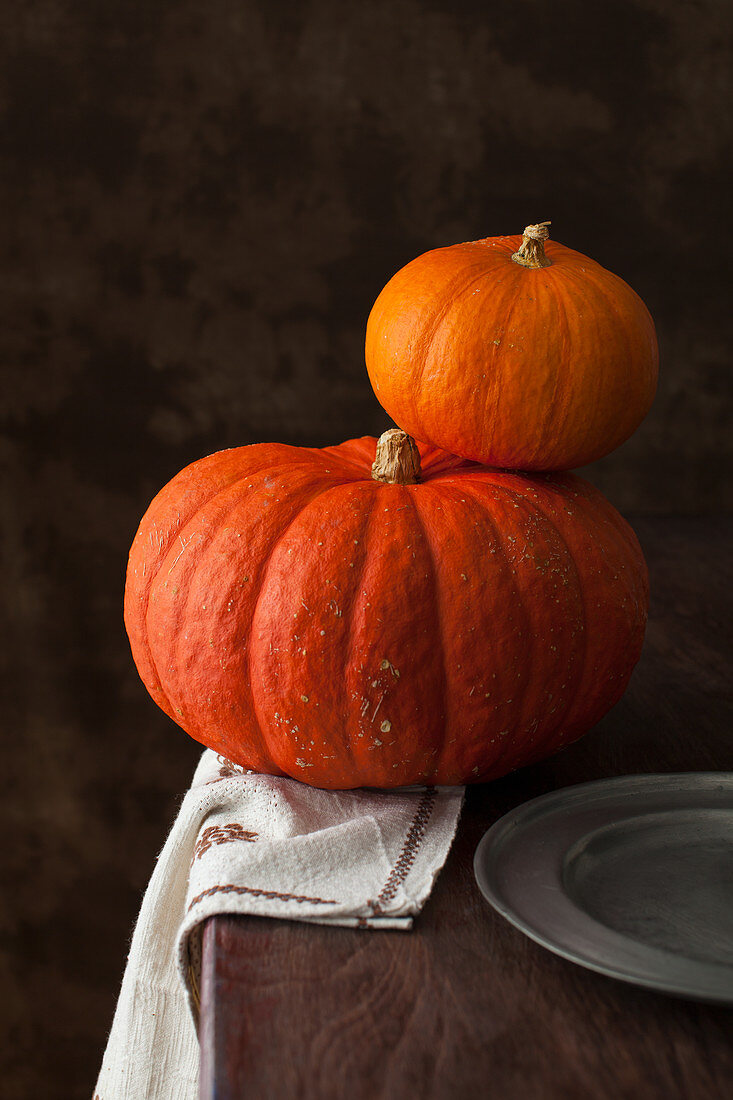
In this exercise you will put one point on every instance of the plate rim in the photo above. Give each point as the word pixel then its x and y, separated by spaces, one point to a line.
pixel 512 819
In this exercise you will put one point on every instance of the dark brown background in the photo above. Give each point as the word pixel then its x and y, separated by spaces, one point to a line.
pixel 201 201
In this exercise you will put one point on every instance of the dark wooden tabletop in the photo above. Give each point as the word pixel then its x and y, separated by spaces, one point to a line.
pixel 465 1005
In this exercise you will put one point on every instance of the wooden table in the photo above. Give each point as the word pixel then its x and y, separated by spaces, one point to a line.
pixel 465 1005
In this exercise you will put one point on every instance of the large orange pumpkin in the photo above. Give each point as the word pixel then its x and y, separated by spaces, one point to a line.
pixel 513 354
pixel 304 615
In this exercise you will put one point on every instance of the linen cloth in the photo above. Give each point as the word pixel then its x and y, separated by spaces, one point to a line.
pixel 264 846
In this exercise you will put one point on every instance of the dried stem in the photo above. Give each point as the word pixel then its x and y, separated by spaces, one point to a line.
pixel 398 459
pixel 532 249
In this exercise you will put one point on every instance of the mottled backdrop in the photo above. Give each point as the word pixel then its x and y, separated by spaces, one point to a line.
pixel 200 202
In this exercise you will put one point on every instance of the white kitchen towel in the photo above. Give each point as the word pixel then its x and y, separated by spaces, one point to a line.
pixel 263 846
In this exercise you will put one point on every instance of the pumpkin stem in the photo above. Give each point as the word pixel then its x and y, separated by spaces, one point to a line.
pixel 532 249
pixel 398 459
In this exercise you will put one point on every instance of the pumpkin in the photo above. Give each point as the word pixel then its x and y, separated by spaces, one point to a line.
pixel 380 616
pixel 512 353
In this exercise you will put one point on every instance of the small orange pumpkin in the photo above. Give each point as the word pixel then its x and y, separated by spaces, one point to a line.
pixel 512 353
pixel 410 618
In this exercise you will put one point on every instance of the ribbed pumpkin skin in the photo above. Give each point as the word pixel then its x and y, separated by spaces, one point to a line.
pixel 302 619
pixel 532 369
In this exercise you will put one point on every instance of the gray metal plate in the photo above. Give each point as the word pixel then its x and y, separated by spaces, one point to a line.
pixel 632 877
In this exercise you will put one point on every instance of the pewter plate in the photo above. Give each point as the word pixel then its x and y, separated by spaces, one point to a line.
pixel 632 877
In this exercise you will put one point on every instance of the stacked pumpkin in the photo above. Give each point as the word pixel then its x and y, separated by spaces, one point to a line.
pixel 393 612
